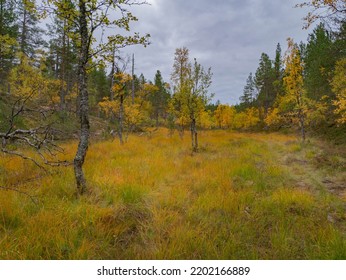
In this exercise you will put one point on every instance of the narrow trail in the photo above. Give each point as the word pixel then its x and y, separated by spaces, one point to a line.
pixel 317 169
pixel 314 166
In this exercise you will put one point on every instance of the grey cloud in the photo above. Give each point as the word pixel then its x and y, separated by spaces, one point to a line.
pixel 228 35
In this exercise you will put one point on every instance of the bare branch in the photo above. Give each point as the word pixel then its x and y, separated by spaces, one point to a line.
pixel 334 10
pixel 40 138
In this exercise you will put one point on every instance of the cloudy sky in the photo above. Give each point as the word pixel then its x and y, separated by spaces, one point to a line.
pixel 227 35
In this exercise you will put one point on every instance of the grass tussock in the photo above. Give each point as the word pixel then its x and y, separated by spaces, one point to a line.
pixel 243 196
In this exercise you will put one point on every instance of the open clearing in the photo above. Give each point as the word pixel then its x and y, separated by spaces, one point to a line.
pixel 243 196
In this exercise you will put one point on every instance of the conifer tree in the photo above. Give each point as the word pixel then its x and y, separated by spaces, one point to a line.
pixel 278 73
pixel 264 83
pixel 319 62
pixel 30 34
pixel 8 34
pixel 160 98
pixel 249 94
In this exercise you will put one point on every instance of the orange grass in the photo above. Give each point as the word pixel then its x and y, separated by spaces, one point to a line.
pixel 153 199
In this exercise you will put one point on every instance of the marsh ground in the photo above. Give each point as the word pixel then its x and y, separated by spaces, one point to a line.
pixel 243 196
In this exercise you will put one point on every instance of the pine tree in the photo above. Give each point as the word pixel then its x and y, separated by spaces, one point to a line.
pixel 264 83
pixel 249 93
pixel 8 34
pixel 278 73
pixel 319 62
pixel 29 35
pixel 160 98
pixel 62 60
pixel 98 84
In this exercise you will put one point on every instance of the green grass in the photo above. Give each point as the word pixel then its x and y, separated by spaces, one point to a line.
pixel 243 196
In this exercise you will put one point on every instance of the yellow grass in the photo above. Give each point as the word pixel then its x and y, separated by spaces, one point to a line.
pixel 153 199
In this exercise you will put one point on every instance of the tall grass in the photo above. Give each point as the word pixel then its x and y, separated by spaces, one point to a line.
pixel 154 199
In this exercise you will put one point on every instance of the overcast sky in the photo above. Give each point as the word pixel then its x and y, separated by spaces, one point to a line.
pixel 226 35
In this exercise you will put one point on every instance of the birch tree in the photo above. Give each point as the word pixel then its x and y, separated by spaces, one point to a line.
pixel 324 10
pixel 191 92
pixel 8 34
pixel 339 87
pixel 294 84
pixel 198 98
pixel 91 16
pixel 179 77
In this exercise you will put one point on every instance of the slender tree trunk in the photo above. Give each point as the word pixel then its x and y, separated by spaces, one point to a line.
pixel 63 72
pixel 2 71
pixel 56 65
pixel 267 102
pixel 121 120
pixel 181 130
pixel 157 119
pixel 83 100
pixel 111 95
pixel 1 16
pixel 23 35
pixel 301 116
pixel 62 97
pixel 192 136
pixel 302 125
pixel 133 79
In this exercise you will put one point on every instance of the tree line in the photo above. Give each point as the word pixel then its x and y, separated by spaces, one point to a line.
pixel 303 88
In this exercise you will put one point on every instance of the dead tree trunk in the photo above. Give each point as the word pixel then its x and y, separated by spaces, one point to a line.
pixel 83 100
